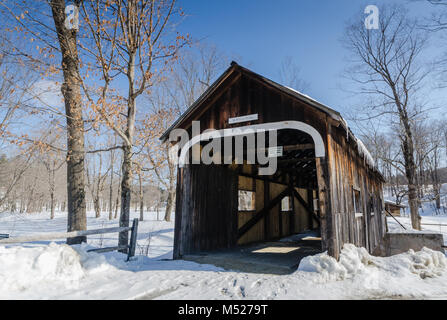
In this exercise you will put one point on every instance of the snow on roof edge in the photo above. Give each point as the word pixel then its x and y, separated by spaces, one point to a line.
pixel 363 151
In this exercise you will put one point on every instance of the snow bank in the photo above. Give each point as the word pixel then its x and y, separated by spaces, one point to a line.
pixel 353 260
pixel 23 268
pixel 357 262
pixel 61 272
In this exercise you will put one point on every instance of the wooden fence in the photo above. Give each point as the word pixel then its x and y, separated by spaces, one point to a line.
pixel 5 239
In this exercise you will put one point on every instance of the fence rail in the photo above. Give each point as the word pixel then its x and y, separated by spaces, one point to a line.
pixel 4 238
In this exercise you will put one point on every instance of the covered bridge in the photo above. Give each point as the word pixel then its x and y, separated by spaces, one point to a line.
pixel 325 178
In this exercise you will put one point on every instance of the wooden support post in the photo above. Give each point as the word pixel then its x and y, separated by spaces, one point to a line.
pixel 324 201
pixel 292 213
pixel 310 202
pixel 266 201
pixel 178 213
pixel 133 240
pixel 306 206
pixel 280 221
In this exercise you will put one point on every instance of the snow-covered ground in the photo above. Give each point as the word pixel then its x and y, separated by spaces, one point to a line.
pixel 433 220
pixel 153 232
pixel 428 206
pixel 57 271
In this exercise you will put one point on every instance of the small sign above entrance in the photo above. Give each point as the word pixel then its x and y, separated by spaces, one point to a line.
pixel 251 117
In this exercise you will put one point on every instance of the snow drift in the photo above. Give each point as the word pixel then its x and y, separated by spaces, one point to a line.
pixel 61 271
pixel 22 268
pixel 357 262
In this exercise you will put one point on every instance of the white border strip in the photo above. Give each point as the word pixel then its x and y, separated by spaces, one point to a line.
pixel 265 127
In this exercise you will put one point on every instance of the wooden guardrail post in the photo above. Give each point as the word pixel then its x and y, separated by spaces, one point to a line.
pixel 133 240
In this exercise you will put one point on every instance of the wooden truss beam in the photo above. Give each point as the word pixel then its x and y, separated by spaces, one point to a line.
pixel 294 147
pixel 298 147
pixel 261 214
pixel 296 160
pixel 306 205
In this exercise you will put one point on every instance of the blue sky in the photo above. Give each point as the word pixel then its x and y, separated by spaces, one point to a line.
pixel 260 33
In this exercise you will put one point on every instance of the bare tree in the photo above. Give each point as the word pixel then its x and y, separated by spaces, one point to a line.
pixel 128 39
pixel 193 73
pixel 71 90
pixel 44 23
pixel 96 178
pixel 438 19
pixel 11 173
pixel 52 162
pixel 290 75
pixel 433 159
pixel 386 67
pixel 113 159
pixel 159 155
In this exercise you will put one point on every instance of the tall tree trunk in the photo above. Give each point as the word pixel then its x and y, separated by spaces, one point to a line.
pixel 410 171
pixel 140 180
pixel 171 189
pixel 436 182
pixel 126 185
pixel 438 197
pixel 169 205
pixel 118 195
pixel 52 182
pixel 112 159
pixel 97 207
pixel 52 205
pixel 71 90
pixel 117 204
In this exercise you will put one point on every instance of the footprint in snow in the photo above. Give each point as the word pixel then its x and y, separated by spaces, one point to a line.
pixel 241 292
pixel 224 291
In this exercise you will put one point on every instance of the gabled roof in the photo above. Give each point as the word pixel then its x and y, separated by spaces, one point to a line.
pixel 237 68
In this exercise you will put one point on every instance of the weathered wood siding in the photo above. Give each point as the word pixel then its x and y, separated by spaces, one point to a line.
pixel 349 171
pixel 205 216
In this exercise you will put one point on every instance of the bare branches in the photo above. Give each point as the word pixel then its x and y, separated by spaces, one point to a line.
pixel 387 68
pixel 289 75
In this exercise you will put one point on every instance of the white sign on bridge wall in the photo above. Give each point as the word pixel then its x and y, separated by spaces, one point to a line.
pixel 251 117
pixel 275 152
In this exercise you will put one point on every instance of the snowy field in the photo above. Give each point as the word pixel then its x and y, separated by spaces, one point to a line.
pixel 57 271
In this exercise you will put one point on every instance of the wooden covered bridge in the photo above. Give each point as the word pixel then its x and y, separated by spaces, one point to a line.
pixel 325 178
